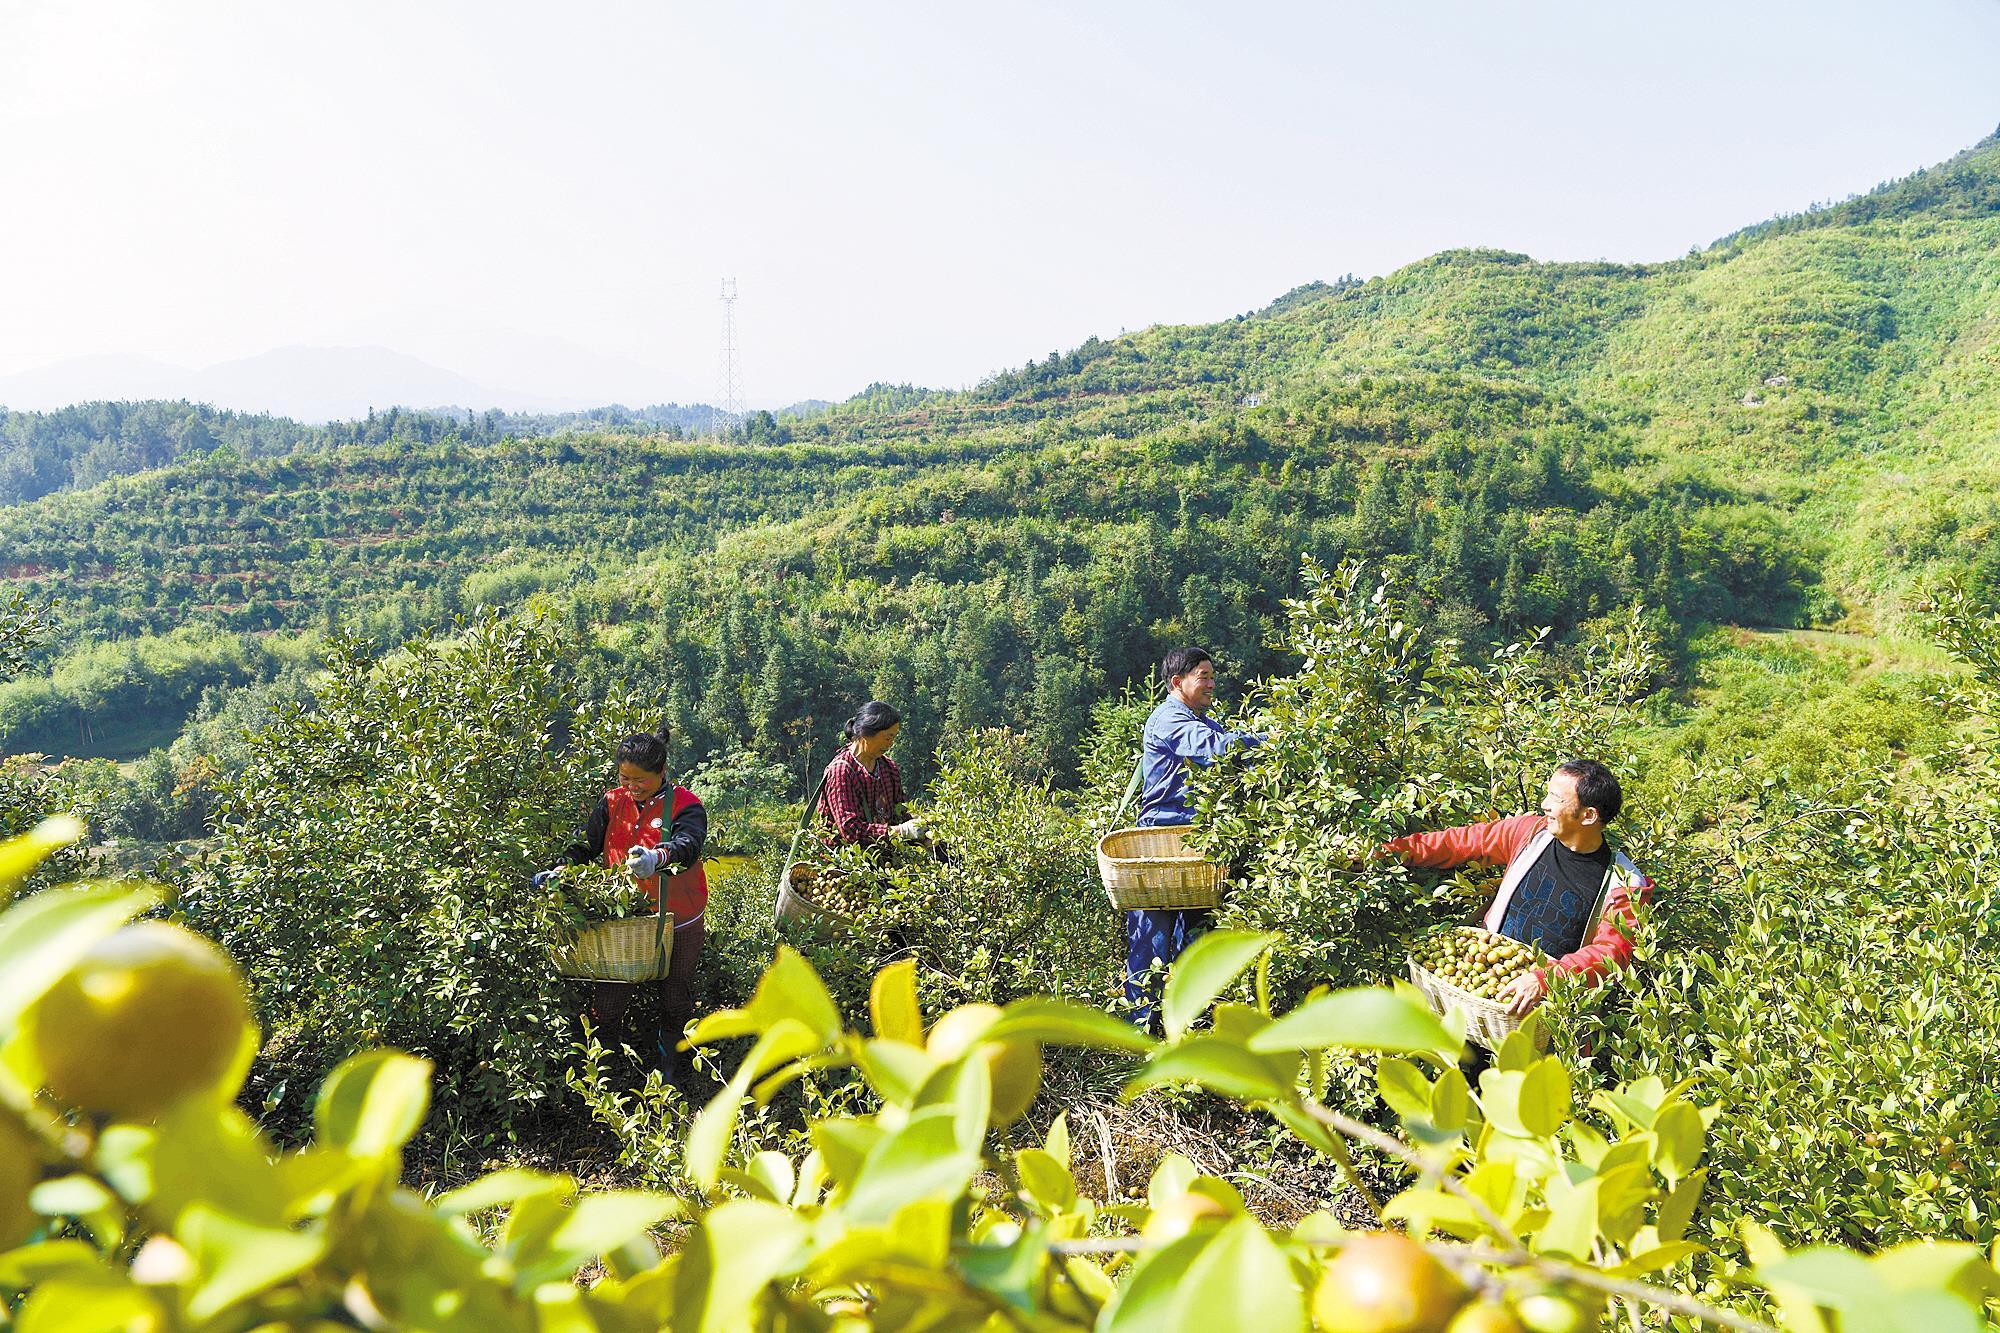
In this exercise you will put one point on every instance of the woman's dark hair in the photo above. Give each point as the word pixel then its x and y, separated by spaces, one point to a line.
pixel 1596 788
pixel 647 752
pixel 874 716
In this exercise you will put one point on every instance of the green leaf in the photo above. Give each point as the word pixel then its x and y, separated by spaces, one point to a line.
pixel 926 1158
pixel 1066 1023
pixel 1008 1271
pixel 1368 1018
pixel 201 1155
pixel 895 1069
pixel 1451 1101
pixel 1310 1131
pixel 237 1259
pixel 1622 1195
pixel 773 1173
pixel 1404 1087
pixel 1572 1226
pixel 42 937
pixel 1681 1135
pixel 20 855
pixel 1145 1303
pixel 1214 1063
pixel 1657 1259
pixel 1204 971
pixel 708 1138
pixel 596 1224
pixel 789 991
pixel 89 1301
pixel 1678 1210
pixel 844 1143
pixel 32 1265
pixel 1544 1101
pixel 1170 1179
pixel 373 1102
pixel 1517 1051
pixel 70 1196
pixel 499 1189
pixel 971 1100
pixel 1500 1100
pixel 739 1249
pixel 1240 1279
pixel 1427 1209
pixel 1045 1180
pixel 1057 1142
pixel 892 1003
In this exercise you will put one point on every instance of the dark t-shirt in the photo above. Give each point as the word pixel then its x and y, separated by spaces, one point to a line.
pixel 1551 907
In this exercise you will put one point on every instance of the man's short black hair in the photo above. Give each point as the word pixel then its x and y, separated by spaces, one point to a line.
pixel 1596 788
pixel 1180 661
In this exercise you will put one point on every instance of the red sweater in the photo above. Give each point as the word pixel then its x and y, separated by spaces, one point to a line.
pixel 1499 843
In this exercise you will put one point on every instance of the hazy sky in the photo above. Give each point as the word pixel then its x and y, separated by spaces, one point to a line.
pixel 905 192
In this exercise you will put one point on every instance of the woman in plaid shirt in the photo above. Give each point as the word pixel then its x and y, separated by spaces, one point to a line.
pixel 863 798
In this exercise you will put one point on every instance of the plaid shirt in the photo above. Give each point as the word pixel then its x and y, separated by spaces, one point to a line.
pixel 861 805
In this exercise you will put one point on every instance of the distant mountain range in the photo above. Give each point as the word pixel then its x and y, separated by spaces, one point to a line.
pixel 318 384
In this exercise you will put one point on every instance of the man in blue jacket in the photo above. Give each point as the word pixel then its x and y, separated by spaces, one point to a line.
pixel 1179 733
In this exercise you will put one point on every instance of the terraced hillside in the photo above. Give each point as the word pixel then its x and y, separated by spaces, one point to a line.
pixel 1792 427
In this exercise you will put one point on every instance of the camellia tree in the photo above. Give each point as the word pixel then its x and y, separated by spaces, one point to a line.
pixel 136 1196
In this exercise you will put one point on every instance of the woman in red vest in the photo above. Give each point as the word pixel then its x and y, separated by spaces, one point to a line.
pixel 659 830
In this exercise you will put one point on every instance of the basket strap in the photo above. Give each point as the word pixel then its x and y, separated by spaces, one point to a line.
pixel 812 802
pixel 791 858
pixel 1131 788
pixel 1596 918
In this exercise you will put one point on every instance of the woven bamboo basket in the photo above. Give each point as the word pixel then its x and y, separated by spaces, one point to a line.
pixel 794 902
pixel 633 948
pixel 1148 869
pixel 1487 1022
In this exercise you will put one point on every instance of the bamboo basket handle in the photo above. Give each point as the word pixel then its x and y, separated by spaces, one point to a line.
pixel 1131 788
pixel 805 826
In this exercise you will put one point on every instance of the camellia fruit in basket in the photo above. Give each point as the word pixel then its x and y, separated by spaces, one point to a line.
pixel 1475 961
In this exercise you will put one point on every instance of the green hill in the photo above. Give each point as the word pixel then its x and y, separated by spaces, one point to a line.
pixel 1792 427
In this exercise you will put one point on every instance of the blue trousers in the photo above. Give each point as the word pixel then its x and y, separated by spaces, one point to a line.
pixel 1156 936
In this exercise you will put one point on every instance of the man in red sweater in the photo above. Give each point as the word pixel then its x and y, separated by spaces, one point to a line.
pixel 1566 890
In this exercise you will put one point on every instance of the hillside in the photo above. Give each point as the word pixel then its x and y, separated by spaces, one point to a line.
pixel 1789 428
pixel 73 447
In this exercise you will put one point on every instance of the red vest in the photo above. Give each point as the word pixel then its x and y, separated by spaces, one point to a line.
pixel 634 825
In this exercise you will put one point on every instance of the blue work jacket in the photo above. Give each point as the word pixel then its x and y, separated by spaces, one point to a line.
pixel 1176 736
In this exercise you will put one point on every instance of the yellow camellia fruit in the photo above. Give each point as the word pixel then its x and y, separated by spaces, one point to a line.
pixel 1484 1317
pixel 1014 1068
pixel 152 1014
pixel 1179 1215
pixel 1381 1282
pixel 20 1169
pixel 1558 1312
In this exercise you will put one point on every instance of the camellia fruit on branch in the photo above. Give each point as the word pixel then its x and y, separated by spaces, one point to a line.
pixel 1014 1067
pixel 151 1014
pixel 1382 1282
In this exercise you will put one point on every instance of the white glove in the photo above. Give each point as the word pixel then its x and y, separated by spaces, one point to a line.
pixel 908 831
pixel 645 861
pixel 542 878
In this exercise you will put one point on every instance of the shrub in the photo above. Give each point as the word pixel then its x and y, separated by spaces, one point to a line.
pixel 1843 1013
pixel 1383 732
pixel 370 865
pixel 1014 909
pixel 1522 1207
